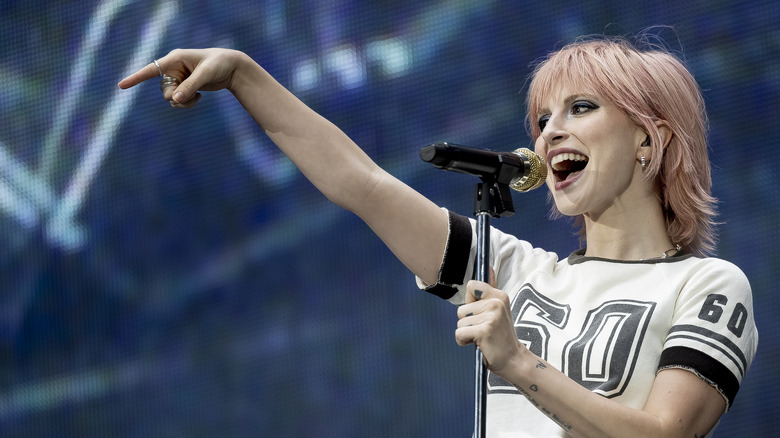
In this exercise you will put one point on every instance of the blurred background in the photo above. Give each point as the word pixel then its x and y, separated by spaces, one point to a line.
pixel 170 273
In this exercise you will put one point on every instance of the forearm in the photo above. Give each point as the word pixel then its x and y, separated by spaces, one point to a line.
pixel 583 413
pixel 325 154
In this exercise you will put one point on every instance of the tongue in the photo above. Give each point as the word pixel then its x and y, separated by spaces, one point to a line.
pixel 567 175
pixel 570 168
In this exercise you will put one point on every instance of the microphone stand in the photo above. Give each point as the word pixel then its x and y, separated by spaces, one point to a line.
pixel 491 199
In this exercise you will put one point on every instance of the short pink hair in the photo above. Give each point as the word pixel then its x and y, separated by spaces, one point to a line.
pixel 650 85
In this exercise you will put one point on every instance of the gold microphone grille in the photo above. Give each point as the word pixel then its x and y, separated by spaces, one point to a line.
pixel 536 175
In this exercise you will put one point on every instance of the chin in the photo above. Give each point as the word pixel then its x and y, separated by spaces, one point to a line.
pixel 568 213
pixel 565 207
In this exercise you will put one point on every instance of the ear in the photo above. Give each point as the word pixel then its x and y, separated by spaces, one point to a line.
pixel 647 148
pixel 665 132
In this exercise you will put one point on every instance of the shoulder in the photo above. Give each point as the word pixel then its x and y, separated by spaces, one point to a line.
pixel 710 288
pixel 714 274
pixel 715 265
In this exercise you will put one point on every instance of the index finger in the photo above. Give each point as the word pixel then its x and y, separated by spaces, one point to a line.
pixel 477 291
pixel 149 71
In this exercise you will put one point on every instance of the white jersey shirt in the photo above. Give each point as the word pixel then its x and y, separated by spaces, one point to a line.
pixel 609 325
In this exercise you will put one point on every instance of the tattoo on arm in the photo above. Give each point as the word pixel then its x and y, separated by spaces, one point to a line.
pixel 541 365
pixel 546 411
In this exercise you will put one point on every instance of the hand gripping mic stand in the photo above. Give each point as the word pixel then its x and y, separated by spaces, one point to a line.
pixel 491 199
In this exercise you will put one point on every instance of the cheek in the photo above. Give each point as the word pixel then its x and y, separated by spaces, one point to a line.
pixel 540 148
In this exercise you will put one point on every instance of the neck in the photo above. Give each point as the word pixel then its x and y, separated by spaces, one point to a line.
pixel 629 234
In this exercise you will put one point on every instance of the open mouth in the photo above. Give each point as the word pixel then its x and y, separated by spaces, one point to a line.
pixel 567 165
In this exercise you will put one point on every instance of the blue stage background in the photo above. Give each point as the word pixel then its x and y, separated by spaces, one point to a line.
pixel 170 273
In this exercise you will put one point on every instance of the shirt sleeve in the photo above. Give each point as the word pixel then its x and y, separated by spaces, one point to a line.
pixel 455 263
pixel 509 259
pixel 713 333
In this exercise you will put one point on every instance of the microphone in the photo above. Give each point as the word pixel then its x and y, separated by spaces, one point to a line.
pixel 522 170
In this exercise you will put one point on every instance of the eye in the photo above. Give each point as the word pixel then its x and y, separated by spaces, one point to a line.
pixel 543 122
pixel 582 107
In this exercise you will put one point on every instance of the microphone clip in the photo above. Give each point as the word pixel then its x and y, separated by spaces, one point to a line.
pixel 493 198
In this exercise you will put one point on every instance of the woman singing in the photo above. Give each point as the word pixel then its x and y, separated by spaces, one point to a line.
pixel 636 334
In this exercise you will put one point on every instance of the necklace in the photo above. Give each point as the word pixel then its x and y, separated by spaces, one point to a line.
pixel 666 254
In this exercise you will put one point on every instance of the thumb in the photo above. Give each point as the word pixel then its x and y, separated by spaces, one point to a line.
pixel 188 89
pixel 208 70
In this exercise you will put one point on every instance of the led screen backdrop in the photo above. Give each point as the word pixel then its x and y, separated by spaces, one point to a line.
pixel 170 273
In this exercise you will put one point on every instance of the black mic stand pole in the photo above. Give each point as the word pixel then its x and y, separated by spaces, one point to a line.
pixel 491 199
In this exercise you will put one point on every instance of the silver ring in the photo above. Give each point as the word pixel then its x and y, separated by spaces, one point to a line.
pixel 158 66
pixel 168 81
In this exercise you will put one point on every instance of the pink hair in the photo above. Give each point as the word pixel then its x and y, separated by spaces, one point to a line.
pixel 649 85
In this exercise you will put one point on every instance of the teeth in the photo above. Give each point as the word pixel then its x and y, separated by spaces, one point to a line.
pixel 566 157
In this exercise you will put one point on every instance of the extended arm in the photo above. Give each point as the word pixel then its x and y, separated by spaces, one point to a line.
pixel 413 227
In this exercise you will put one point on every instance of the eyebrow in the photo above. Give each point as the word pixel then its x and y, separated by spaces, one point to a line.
pixel 567 101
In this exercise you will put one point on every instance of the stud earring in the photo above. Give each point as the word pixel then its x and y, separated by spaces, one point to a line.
pixel 643 162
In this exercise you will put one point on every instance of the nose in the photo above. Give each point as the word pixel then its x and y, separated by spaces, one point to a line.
pixel 554 131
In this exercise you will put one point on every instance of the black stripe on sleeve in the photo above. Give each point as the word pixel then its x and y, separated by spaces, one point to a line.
pixel 703 365
pixel 456 258
pixel 714 340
